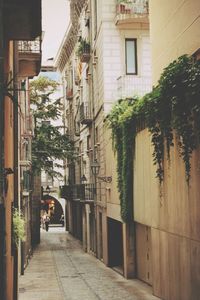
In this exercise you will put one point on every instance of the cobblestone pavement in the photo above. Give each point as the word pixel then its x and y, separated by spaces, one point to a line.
pixel 61 270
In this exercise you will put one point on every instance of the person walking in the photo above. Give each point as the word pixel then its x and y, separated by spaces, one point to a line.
pixel 62 220
pixel 47 221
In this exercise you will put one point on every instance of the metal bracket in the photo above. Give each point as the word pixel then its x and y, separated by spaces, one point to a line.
pixel 107 179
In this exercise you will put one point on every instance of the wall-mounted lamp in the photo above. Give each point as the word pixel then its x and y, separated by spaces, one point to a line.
pixel 48 189
pixel 95 167
pixel 83 178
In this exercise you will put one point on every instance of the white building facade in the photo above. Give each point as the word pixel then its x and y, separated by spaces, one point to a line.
pixel 105 56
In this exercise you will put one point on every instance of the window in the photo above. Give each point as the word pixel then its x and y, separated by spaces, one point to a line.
pixel 88 142
pixel 131 56
pixel 95 19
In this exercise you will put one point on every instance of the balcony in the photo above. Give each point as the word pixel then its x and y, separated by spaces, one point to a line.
pixel 85 113
pixel 26 183
pixel 77 128
pixel 29 57
pixel 69 94
pixel 78 192
pixel 85 56
pixel 83 51
pixel 65 192
pixel 134 13
pixel 129 86
pixel 22 19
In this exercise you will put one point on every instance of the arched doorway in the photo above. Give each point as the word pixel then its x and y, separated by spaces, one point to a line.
pixel 52 207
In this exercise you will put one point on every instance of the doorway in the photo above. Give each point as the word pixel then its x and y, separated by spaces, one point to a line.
pixel 143 253
pixel 115 245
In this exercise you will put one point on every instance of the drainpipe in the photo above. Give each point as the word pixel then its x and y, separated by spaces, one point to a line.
pixel 16 161
pixel 93 138
pixel 2 208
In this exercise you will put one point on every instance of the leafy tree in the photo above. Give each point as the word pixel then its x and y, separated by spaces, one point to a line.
pixel 49 142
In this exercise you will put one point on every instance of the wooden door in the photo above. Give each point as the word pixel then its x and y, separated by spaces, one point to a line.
pixel 143 253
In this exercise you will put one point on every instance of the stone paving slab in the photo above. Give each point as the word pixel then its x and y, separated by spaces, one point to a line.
pixel 61 270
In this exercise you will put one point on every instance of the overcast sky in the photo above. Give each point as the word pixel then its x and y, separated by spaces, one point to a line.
pixel 55 18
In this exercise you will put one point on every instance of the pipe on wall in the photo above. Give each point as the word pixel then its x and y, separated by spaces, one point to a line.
pixel 16 161
pixel 2 208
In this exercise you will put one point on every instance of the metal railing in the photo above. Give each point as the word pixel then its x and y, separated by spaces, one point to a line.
pixel 130 86
pixel 26 181
pixel 133 7
pixel 69 93
pixel 30 46
pixel 82 192
pixel 85 113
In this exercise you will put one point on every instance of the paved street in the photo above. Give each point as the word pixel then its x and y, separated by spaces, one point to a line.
pixel 61 270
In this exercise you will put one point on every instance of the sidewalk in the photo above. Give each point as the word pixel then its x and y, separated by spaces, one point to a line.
pixel 60 270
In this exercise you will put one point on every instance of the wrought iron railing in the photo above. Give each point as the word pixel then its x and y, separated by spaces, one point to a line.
pixel 82 192
pixel 132 8
pixel 130 86
pixel 26 182
pixel 30 46
pixel 69 93
pixel 65 192
pixel 85 113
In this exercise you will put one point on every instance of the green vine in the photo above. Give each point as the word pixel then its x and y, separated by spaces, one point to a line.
pixel 122 125
pixel 172 108
pixel 18 227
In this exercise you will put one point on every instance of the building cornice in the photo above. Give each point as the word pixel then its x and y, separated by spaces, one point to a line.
pixel 71 36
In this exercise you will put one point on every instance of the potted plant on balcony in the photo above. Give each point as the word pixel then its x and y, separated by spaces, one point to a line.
pixel 83 51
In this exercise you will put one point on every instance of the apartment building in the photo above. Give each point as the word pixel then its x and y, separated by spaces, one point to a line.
pixel 29 61
pixel 19 21
pixel 105 56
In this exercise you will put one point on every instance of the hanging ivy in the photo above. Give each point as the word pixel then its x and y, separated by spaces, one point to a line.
pixel 122 124
pixel 172 108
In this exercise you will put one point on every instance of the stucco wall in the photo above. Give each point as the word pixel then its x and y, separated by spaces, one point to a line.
pixel 174 28
pixel 172 212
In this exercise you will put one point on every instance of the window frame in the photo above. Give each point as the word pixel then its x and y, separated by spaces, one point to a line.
pixel 136 60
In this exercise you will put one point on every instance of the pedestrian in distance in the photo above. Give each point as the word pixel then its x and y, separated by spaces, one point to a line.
pixel 62 220
pixel 47 221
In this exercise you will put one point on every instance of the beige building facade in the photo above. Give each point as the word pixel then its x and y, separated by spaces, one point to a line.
pixel 19 21
pixel 117 66
pixel 167 219
pixel 161 244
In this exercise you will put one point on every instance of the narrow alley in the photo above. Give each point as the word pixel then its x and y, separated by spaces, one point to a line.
pixel 61 270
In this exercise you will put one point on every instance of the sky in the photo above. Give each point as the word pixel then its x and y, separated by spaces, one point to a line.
pixel 55 19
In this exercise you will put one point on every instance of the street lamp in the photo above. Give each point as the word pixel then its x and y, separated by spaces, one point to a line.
pixel 83 178
pixel 95 167
pixel 48 189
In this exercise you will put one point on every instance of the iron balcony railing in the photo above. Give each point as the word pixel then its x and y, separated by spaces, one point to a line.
pixel 69 93
pixel 131 9
pixel 85 55
pixel 26 181
pixel 82 192
pixel 85 113
pixel 30 46
pixel 129 86
pixel 65 191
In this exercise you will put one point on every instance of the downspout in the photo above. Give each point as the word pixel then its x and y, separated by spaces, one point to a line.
pixel 93 140
pixel 2 208
pixel 16 177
